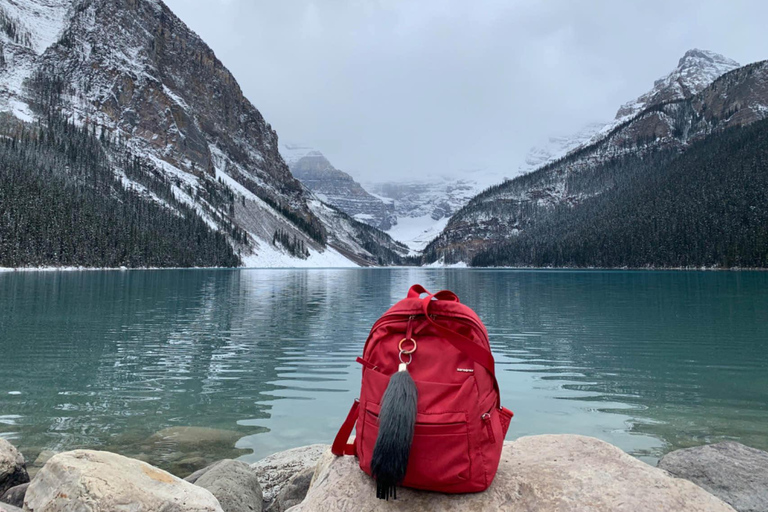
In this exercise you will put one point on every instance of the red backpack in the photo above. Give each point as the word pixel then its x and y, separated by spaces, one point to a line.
pixel 459 421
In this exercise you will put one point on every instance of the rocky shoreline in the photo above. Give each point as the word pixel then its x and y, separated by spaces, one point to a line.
pixel 537 473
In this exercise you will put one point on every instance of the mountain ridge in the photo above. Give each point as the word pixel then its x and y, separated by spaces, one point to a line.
pixel 501 212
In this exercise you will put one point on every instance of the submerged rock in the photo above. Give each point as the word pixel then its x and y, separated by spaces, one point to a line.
pixel 183 450
pixel 42 457
pixel 233 483
pixel 563 473
pixel 105 482
pixel 15 495
pixel 276 471
pixel 13 470
pixel 735 473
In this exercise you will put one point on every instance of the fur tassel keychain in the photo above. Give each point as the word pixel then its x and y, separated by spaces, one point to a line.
pixel 397 420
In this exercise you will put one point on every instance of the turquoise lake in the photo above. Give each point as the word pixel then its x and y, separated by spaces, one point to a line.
pixel 649 361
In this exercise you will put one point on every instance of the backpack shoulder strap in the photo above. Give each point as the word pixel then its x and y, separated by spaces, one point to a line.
pixel 341 445
pixel 474 351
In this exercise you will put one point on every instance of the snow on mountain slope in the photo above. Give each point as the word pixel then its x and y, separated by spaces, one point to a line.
pixel 423 207
pixel 558 147
pixel 27 29
pixel 156 93
pixel 694 72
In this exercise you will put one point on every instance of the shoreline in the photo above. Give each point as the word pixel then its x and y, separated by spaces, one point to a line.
pixel 423 267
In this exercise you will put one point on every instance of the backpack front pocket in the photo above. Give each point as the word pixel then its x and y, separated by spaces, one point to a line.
pixel 439 454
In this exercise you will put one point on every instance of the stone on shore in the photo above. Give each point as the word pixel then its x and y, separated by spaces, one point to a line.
pixel 735 473
pixel 293 492
pixel 563 473
pixel 106 482
pixel 13 470
pixel 275 471
pixel 234 484
pixel 15 495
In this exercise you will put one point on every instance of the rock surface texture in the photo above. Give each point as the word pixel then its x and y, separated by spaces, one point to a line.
pixel 293 492
pixel 96 481
pixel 233 483
pixel 735 473
pixel 274 472
pixel 563 473
pixel 13 470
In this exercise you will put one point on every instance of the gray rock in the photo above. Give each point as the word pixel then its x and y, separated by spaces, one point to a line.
pixel 106 482
pixel 735 473
pixel 549 473
pixel 13 470
pixel 234 484
pixel 293 492
pixel 15 495
pixel 276 471
pixel 4 507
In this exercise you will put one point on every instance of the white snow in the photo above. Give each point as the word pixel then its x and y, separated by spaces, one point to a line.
pixel 417 232
pixel 268 256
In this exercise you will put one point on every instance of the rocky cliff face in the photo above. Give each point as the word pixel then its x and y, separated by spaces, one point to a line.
pixel 678 111
pixel 338 188
pixel 141 79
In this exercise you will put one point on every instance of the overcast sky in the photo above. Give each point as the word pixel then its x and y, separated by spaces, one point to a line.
pixel 393 89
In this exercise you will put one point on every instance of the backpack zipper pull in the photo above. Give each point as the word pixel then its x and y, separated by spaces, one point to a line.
pixel 487 420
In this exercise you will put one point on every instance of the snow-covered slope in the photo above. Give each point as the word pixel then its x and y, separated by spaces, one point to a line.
pixel 423 207
pixel 27 29
pixel 139 77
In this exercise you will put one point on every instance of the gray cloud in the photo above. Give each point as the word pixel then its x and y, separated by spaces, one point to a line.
pixel 391 89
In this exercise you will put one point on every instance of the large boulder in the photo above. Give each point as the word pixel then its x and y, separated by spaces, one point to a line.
pixel 107 482
pixel 735 473
pixel 15 495
pixel 234 484
pixel 563 473
pixel 275 471
pixel 13 470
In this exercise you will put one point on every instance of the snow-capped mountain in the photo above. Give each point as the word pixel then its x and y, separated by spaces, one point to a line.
pixel 423 207
pixel 136 74
pixel 336 187
pixel 683 107
pixel 695 71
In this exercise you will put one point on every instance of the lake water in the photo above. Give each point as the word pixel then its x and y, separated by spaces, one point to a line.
pixel 649 361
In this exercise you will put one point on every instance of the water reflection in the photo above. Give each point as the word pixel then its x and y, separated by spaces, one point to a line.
pixel 648 361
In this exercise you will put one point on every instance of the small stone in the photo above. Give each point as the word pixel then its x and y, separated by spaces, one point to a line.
pixel 15 495
pixel 735 473
pixel 293 492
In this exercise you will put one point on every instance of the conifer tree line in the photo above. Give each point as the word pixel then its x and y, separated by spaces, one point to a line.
pixel 707 206
pixel 62 205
